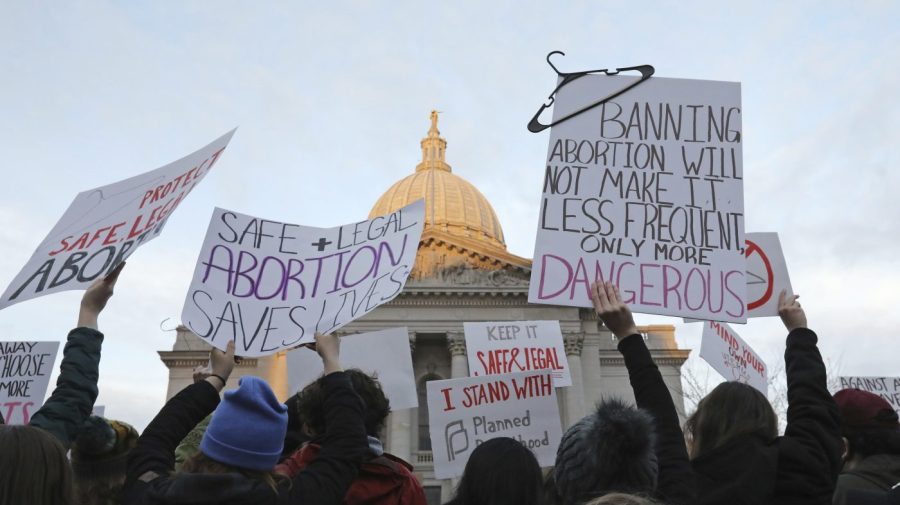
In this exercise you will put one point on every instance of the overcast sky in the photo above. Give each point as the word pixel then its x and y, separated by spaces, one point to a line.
pixel 332 98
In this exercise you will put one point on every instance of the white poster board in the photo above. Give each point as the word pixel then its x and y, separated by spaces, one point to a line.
pixel 517 346
pixel 99 411
pixel 767 274
pixel 269 285
pixel 733 358
pixel 645 191
pixel 25 369
pixel 384 354
pixel 885 387
pixel 104 226
pixel 464 413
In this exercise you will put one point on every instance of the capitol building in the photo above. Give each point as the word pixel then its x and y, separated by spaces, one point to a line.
pixel 463 272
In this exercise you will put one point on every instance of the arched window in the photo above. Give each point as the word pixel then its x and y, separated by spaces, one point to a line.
pixel 424 431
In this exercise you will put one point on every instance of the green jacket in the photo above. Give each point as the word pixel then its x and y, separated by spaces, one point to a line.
pixel 72 400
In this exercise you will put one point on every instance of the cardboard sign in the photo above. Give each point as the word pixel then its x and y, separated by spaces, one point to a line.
pixel 645 191
pixel 104 226
pixel 383 354
pixel 520 346
pixel 464 413
pixel 270 286
pixel 25 369
pixel 767 274
pixel 885 387
pixel 729 355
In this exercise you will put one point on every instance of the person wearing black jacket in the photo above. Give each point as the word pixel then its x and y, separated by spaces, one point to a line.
pixel 675 482
pixel 738 459
pixel 236 460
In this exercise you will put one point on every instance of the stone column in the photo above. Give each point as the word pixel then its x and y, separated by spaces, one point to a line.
pixel 574 342
pixel 400 425
pixel 459 363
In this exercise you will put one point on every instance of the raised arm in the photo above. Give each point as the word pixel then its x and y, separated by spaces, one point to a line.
pixel 327 477
pixel 676 479
pixel 154 454
pixel 72 400
pixel 813 422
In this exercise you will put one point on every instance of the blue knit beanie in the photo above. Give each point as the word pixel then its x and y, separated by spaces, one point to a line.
pixel 247 429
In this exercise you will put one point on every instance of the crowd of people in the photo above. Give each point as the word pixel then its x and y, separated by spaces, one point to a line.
pixel 322 446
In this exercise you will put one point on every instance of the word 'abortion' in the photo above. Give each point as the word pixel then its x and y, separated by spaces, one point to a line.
pixel 265 276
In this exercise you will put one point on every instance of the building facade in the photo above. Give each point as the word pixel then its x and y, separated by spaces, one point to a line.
pixel 463 272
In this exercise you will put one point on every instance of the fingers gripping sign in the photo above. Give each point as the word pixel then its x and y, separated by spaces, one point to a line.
pixel 792 314
pixel 611 310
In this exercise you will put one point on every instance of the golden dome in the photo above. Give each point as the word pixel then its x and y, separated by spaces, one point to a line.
pixel 453 206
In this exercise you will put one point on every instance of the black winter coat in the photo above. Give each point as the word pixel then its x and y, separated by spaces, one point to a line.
pixel 149 478
pixel 799 468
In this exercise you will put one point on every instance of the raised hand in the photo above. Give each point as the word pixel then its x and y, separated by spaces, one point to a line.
pixel 791 312
pixel 329 348
pixel 221 363
pixel 94 299
pixel 610 308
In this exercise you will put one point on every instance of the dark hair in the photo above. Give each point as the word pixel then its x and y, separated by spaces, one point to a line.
pixel 869 441
pixel 203 464
pixel 33 467
pixel 500 471
pixel 311 402
pixel 731 410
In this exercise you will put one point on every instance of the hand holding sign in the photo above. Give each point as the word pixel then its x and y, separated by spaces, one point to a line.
pixel 791 313
pixel 329 348
pixel 610 308
pixel 221 364
pixel 94 300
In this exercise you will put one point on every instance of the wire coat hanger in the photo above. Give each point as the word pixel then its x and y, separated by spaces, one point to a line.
pixel 535 124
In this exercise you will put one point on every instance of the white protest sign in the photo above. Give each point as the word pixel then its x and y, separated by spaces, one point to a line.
pixel 645 191
pixel 885 387
pixel 465 412
pixel 729 355
pixel 767 274
pixel 104 226
pixel 99 411
pixel 25 369
pixel 270 286
pixel 384 354
pixel 519 346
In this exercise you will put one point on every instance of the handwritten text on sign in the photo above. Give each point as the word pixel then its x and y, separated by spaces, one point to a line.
pixel 270 285
pixel 384 354
pixel 464 413
pixel 521 346
pixel 885 387
pixel 645 191
pixel 25 369
pixel 729 355
pixel 104 226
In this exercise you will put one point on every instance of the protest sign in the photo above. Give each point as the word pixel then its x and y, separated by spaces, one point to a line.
pixel 25 369
pixel 645 191
pixel 520 346
pixel 104 226
pixel 767 274
pixel 885 387
pixel 99 410
pixel 465 412
pixel 729 355
pixel 384 354
pixel 270 286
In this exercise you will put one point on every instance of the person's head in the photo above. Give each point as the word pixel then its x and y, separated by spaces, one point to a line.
pixel 622 499
pixel 98 459
pixel 731 410
pixel 500 471
pixel 33 467
pixel 245 434
pixel 311 403
pixel 869 425
pixel 611 450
